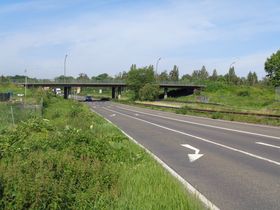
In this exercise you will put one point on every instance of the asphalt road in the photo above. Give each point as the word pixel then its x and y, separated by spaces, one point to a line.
pixel 240 166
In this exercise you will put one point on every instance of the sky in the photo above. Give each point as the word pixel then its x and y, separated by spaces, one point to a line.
pixel 107 36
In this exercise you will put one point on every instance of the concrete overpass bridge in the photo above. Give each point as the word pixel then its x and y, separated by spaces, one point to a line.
pixel 116 86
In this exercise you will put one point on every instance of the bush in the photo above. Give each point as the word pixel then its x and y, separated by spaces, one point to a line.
pixel 197 92
pixel 243 93
pixel 217 115
pixel 48 167
pixel 149 92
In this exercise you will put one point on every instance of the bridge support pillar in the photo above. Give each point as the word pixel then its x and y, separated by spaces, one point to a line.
pixel 165 93
pixel 113 92
pixel 119 92
pixel 66 92
pixel 78 90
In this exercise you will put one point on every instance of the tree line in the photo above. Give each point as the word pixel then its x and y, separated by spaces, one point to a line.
pixel 137 78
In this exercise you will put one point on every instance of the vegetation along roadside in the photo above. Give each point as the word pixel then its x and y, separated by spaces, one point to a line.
pixel 70 158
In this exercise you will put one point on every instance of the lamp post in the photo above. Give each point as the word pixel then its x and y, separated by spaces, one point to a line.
pixel 65 67
pixel 157 66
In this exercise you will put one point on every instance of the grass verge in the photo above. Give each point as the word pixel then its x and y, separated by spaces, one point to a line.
pixel 74 159
pixel 214 115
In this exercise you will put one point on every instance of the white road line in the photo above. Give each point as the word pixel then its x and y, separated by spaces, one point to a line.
pixel 269 145
pixel 205 125
pixel 186 184
pixel 226 121
pixel 199 138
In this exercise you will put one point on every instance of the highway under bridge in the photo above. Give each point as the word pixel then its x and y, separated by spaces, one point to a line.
pixel 117 87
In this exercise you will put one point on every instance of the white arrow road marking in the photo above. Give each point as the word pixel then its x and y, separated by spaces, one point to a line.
pixel 199 138
pixel 269 145
pixel 196 155
pixel 136 114
pixel 112 115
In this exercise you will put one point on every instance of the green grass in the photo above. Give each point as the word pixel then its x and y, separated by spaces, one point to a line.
pixel 74 159
pixel 215 115
pixel 20 111
pixel 239 98
pixel 16 111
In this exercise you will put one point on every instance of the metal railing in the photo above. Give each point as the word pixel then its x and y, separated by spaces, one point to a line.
pixel 45 81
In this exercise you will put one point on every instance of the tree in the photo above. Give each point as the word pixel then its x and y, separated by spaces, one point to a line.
pixel 203 74
pixel 186 77
pixel 231 77
pixel 149 92
pixel 195 75
pixel 4 79
pixel 272 68
pixel 252 78
pixel 200 75
pixel 255 78
pixel 102 77
pixel 121 76
pixel 174 74
pixel 214 76
pixel 83 77
pixel 163 76
pixel 137 78
pixel 61 78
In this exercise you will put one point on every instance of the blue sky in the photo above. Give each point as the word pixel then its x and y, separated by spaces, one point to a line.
pixel 110 35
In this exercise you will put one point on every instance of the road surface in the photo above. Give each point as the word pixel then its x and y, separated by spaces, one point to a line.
pixel 234 165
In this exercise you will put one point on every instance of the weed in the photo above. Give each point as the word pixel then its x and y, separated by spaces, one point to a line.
pixel 74 159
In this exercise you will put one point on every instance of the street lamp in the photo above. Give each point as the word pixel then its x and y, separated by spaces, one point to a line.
pixel 157 66
pixel 65 67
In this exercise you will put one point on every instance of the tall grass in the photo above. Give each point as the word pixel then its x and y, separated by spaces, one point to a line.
pixel 74 159
pixel 254 98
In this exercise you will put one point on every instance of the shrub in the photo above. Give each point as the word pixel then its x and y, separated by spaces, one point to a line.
pixel 149 92
pixel 243 93
pixel 217 115
pixel 197 92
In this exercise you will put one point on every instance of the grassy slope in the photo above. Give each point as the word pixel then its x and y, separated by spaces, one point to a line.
pixel 256 99
pixel 33 97
pixel 240 98
pixel 76 160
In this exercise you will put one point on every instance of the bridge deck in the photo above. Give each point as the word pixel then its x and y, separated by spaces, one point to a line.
pixel 53 84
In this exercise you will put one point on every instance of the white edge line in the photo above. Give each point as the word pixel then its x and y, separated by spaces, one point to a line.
pixel 268 145
pixel 207 118
pixel 199 138
pixel 186 184
pixel 205 125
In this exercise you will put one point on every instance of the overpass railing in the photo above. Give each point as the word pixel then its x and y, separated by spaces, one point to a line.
pixel 112 81
pixel 47 81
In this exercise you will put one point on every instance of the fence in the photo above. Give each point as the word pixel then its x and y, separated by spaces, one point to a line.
pixel 277 93
pixel 12 113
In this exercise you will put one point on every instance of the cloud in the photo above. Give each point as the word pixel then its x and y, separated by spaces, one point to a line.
pixel 189 34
